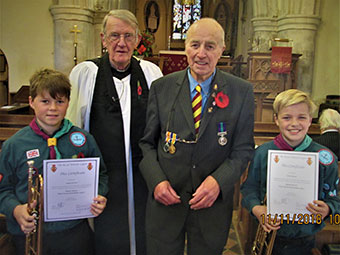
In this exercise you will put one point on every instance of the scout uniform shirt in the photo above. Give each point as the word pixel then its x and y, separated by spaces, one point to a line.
pixel 26 145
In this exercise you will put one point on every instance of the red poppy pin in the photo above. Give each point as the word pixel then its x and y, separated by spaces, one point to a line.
pixel 222 100
pixel 139 89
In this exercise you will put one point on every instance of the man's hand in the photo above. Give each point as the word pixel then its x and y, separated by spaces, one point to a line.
pixel 165 194
pixel 25 221
pixel 98 206
pixel 206 194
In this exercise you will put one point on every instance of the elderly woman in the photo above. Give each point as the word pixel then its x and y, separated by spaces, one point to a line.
pixel 330 126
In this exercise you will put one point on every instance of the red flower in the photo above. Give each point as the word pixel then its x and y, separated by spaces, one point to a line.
pixel 222 100
pixel 141 49
pixel 139 89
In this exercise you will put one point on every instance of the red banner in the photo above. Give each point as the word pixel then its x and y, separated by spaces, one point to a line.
pixel 281 59
pixel 175 62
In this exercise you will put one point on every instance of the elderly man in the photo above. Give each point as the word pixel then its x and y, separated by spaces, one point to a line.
pixel 197 142
pixel 109 98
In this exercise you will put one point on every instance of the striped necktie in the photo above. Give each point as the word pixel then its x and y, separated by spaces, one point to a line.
pixel 197 108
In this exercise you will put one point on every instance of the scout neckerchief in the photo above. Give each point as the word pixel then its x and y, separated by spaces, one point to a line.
pixel 52 141
pixel 281 143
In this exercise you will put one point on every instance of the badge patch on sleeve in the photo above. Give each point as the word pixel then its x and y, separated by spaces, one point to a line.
pixel 78 139
pixel 1 176
pixel 325 157
pixel 32 154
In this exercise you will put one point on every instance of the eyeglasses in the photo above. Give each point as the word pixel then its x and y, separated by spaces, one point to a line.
pixel 114 37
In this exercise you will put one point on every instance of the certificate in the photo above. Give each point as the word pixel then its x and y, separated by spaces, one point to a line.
pixel 292 183
pixel 69 188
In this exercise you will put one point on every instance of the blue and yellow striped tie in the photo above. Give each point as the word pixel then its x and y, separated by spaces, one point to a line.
pixel 197 108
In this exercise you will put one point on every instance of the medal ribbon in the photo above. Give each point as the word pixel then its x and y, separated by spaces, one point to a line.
pixel 221 127
pixel 52 141
pixel 170 137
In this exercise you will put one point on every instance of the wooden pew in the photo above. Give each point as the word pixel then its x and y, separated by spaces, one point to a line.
pixel 11 123
pixel 15 120
pixel 6 132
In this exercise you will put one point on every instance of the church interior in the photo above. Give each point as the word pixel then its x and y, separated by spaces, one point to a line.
pixel 58 34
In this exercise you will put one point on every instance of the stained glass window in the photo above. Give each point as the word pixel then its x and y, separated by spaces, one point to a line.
pixel 185 12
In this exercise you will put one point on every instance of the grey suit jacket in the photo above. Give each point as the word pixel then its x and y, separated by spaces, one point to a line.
pixel 169 109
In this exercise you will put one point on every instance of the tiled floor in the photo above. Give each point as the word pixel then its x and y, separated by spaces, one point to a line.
pixel 233 245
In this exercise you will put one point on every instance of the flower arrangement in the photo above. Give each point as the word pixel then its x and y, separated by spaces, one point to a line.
pixel 144 48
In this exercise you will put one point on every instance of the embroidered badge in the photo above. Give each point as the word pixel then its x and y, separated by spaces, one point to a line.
pixel 78 139
pixel 325 157
pixel 32 154
pixel 332 193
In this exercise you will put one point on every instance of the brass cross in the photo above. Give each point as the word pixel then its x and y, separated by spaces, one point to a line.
pixel 75 31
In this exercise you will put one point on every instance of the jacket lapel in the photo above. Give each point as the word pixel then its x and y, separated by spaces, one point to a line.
pixel 183 96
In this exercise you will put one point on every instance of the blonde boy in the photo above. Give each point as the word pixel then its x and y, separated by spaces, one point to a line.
pixel 293 115
pixel 49 98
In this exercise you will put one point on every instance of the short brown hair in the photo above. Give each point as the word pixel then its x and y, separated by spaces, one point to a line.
pixel 290 97
pixel 54 82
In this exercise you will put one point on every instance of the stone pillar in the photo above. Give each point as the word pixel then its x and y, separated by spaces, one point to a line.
pixel 264 30
pixel 97 26
pixel 301 29
pixel 65 17
pixel 296 20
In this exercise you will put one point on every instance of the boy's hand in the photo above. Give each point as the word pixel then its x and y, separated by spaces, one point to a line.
pixel 319 207
pixel 25 221
pixel 259 211
pixel 97 207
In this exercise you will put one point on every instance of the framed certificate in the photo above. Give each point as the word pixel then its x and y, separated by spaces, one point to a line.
pixel 292 183
pixel 69 188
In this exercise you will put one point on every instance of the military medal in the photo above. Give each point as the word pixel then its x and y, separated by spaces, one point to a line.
pixel 222 132
pixel 172 149
pixel 170 140
pixel 166 147
pixel 222 140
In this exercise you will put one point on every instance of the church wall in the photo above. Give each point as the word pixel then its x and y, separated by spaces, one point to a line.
pixel 27 30
pixel 26 38
pixel 326 69
pixel 162 33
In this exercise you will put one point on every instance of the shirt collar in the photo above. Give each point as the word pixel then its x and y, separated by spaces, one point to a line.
pixel 204 85
pixel 330 130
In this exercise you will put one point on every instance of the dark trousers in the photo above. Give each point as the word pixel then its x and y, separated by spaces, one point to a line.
pixel 290 246
pixel 196 244
pixel 75 241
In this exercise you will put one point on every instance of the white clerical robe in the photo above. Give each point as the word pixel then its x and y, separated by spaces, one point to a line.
pixel 83 78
